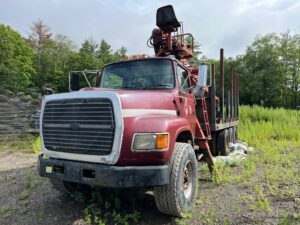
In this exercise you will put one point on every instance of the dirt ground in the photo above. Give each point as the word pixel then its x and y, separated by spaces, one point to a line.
pixel 26 198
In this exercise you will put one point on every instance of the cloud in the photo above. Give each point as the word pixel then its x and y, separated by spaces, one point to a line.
pixel 230 24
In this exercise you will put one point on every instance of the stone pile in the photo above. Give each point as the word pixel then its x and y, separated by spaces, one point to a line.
pixel 17 114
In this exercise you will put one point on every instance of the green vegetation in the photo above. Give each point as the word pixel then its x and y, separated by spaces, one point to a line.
pixel 275 135
pixel 290 219
pixel 268 71
pixel 30 181
pixel 108 207
pixel 24 194
pixel 13 144
pixel 5 210
pixel 16 60
pixel 37 145
pixel 271 172
pixel 43 58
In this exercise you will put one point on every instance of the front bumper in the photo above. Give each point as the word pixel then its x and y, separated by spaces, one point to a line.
pixel 103 175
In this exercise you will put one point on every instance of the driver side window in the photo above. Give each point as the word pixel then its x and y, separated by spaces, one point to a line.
pixel 182 78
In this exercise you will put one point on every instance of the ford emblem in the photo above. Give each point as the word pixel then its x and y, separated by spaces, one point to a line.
pixel 74 126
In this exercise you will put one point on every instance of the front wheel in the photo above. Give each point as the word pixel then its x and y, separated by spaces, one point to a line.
pixel 177 197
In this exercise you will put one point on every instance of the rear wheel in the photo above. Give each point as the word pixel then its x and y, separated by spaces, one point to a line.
pixel 223 142
pixel 235 134
pixel 177 197
pixel 231 136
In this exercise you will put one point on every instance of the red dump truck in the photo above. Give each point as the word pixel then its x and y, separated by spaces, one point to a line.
pixel 145 122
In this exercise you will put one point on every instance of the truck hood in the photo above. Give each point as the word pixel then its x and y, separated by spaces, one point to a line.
pixel 143 102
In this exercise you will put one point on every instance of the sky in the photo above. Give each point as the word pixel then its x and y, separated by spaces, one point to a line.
pixel 215 24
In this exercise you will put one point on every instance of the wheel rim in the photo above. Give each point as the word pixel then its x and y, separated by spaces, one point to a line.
pixel 187 184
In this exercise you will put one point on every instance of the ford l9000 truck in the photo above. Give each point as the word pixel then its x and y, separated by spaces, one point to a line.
pixel 145 122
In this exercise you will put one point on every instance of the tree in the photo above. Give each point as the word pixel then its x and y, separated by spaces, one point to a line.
pixel 16 60
pixel 40 41
pixel 61 49
pixel 88 56
pixel 120 54
pixel 104 53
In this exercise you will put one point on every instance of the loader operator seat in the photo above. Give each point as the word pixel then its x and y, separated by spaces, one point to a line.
pixel 166 19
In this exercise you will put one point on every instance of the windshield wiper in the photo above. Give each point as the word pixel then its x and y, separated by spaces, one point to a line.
pixel 126 87
pixel 158 86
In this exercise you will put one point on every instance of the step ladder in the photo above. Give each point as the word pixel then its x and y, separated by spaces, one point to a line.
pixel 205 118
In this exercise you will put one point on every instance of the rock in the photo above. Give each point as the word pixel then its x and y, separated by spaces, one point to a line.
pixel 237 155
pixel 6 92
pixel 20 94
pixel 297 201
pixel 16 114
pixel 79 222
pixel 26 98
pixel 241 146
pixel 249 150
pixel 243 143
pixel 4 98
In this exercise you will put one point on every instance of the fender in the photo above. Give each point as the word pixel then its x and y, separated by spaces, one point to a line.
pixel 170 124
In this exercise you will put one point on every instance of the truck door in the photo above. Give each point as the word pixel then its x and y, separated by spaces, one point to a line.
pixel 186 97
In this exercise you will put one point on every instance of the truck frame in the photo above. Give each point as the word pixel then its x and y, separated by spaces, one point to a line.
pixel 145 122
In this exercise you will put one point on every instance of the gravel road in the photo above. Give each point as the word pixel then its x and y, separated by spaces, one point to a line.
pixel 26 198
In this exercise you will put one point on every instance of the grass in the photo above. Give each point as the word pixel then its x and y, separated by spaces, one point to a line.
pixel 30 184
pixel 275 134
pixel 24 194
pixel 5 211
pixel 13 144
pixel 287 219
pixel 271 172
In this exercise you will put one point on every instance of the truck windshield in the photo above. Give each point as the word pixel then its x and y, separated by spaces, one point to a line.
pixel 139 74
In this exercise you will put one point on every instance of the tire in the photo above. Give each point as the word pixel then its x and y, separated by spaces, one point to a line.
pixel 231 136
pixel 223 142
pixel 235 134
pixel 66 187
pixel 178 197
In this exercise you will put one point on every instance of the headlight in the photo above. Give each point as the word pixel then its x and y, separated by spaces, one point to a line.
pixel 151 141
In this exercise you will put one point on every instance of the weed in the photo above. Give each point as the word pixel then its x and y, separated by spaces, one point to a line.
pixel 5 210
pixel 78 196
pixel 261 203
pixel 17 145
pixel 104 208
pixel 30 182
pixel 92 215
pixel 37 145
pixel 24 194
pixel 290 219
pixel 133 217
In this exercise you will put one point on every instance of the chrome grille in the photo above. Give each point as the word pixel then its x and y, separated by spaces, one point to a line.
pixel 82 126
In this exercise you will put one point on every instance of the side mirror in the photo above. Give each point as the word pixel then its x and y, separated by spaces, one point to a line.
pixel 203 72
pixel 98 78
pixel 74 81
pixel 47 89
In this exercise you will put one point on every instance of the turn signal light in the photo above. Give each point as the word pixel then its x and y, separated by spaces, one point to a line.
pixel 162 141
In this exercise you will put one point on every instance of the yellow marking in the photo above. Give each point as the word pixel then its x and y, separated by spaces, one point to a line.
pixel 48 169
